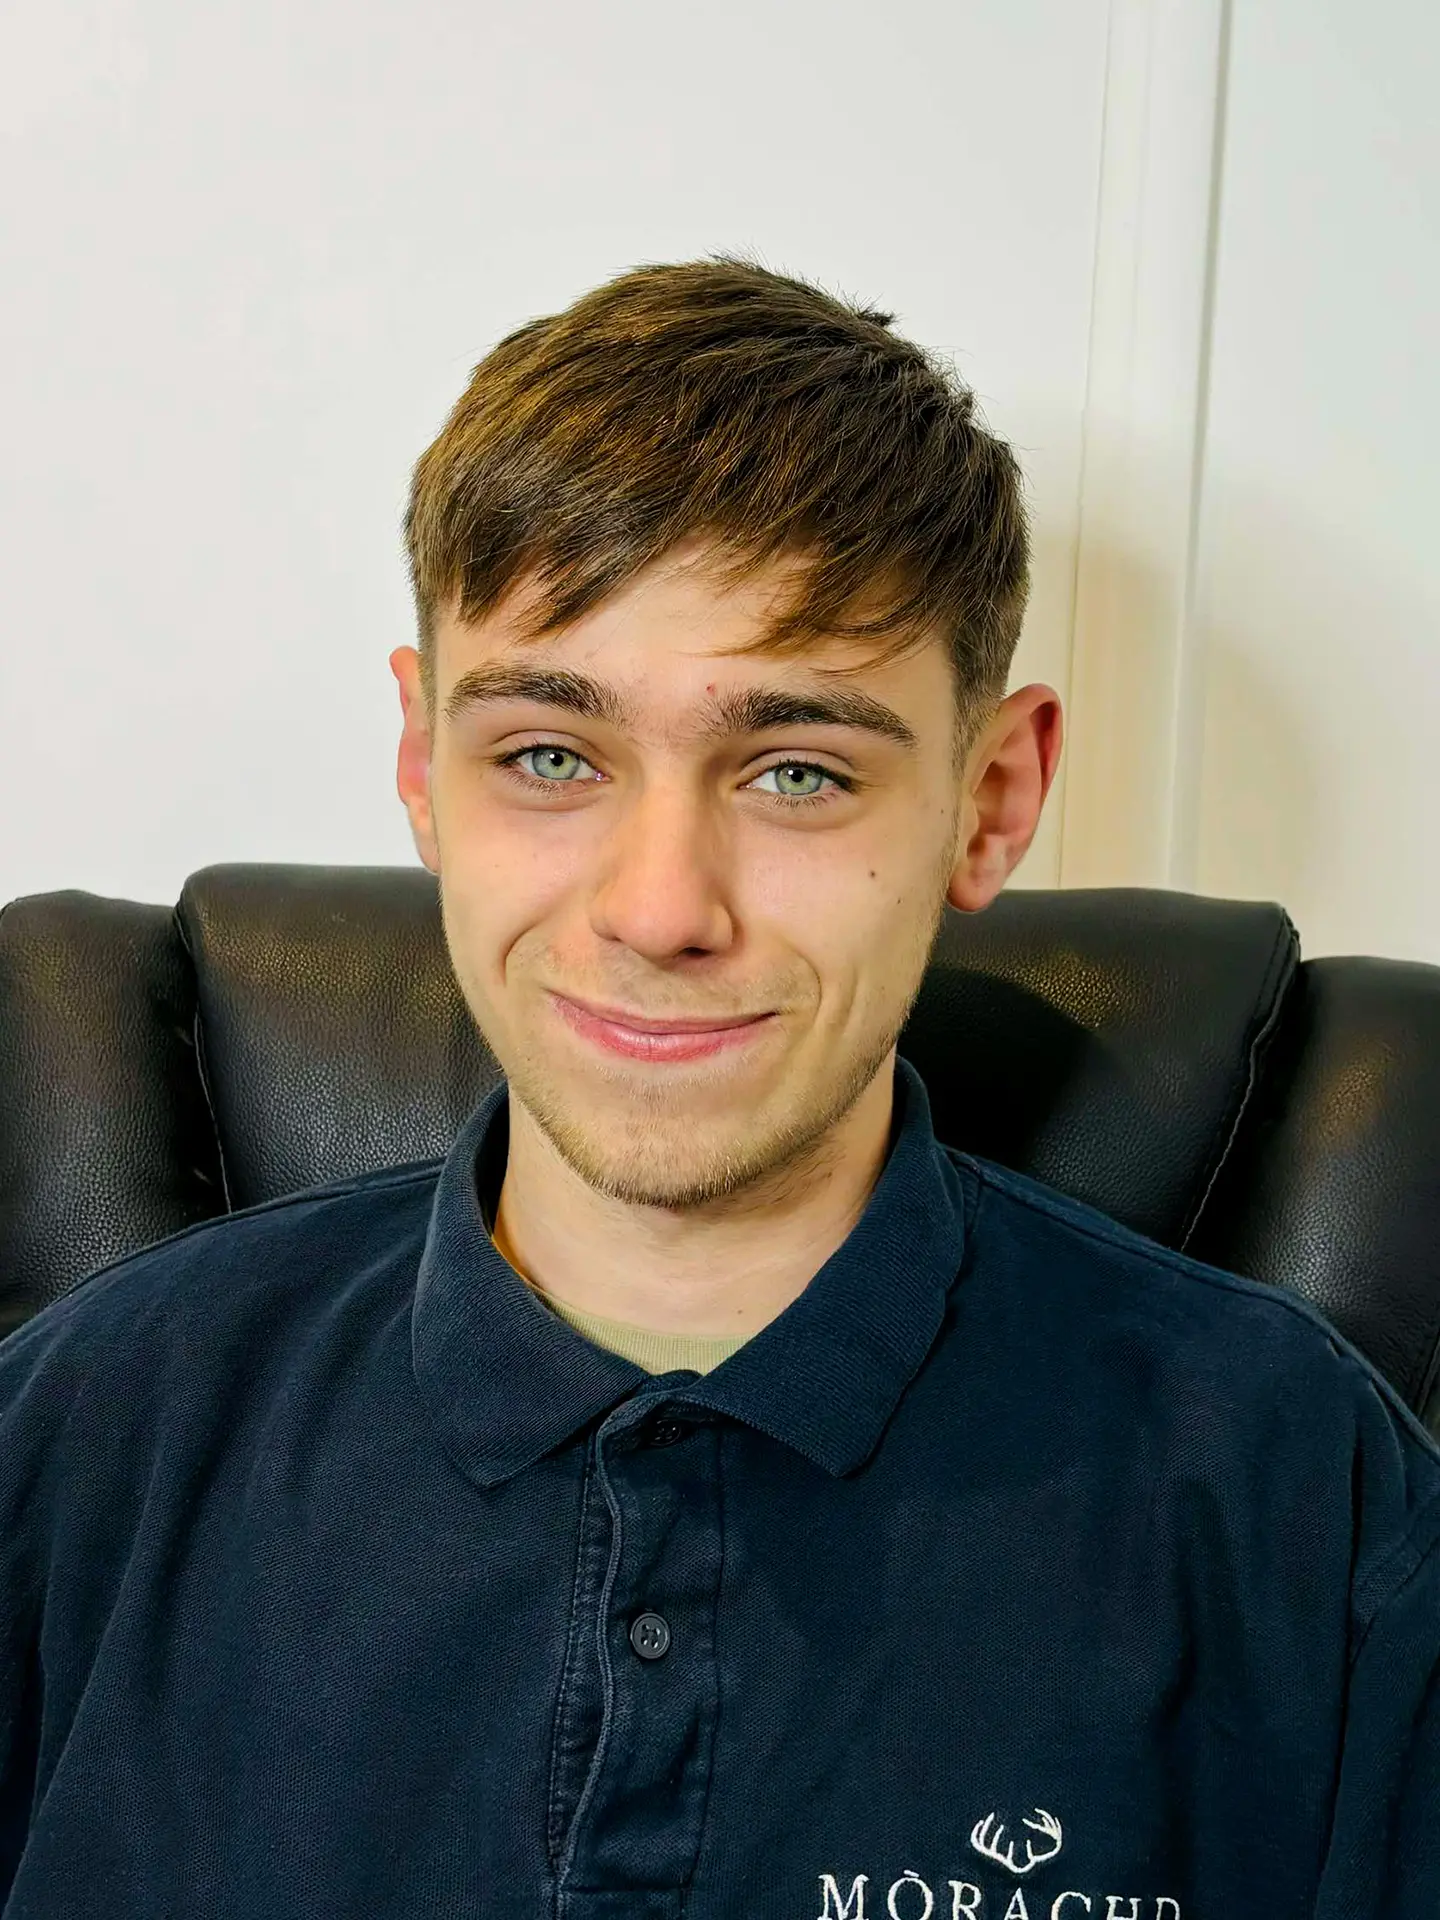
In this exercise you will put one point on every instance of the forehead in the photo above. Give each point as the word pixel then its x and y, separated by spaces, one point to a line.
pixel 669 641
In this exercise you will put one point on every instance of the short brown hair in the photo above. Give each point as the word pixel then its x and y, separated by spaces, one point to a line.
pixel 717 398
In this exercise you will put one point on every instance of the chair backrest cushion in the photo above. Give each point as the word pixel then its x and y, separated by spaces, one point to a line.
pixel 1163 1056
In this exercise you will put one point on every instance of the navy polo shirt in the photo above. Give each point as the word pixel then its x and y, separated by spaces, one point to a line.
pixel 1020 1567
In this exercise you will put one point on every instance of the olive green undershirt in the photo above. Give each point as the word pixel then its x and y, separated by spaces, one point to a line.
pixel 656 1352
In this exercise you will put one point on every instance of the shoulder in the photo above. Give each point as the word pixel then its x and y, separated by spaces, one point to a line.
pixel 123 1391
pixel 1238 1323
pixel 170 1304
pixel 1233 1370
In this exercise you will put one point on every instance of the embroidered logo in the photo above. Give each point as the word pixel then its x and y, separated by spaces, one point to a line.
pixel 987 1843
pixel 912 1897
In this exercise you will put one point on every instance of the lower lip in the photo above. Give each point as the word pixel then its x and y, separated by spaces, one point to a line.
pixel 638 1045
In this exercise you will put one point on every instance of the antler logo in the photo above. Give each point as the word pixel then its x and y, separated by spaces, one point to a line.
pixel 986 1835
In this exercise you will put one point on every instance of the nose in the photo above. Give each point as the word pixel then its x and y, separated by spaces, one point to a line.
pixel 663 886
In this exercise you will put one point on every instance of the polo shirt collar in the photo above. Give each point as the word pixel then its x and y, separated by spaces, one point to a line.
pixel 506 1380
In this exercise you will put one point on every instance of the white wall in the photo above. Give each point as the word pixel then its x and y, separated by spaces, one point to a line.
pixel 1255 692
pixel 1184 249
pixel 1318 583
pixel 251 250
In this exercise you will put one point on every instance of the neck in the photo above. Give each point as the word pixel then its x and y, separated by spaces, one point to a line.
pixel 719 1272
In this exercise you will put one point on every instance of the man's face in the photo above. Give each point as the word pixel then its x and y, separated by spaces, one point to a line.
pixel 651 860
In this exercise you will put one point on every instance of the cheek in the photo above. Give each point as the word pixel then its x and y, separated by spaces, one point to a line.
pixel 874 889
pixel 523 854
pixel 506 877
pixel 494 908
pixel 909 897
pixel 858 921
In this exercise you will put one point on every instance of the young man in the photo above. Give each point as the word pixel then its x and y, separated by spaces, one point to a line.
pixel 702 1493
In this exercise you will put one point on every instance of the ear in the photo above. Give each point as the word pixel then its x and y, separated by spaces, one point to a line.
pixel 1008 776
pixel 412 773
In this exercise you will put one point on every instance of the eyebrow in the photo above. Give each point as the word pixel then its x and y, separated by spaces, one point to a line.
pixel 743 710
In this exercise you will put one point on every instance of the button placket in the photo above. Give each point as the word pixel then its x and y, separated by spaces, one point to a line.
pixel 579 1709
pixel 639 1821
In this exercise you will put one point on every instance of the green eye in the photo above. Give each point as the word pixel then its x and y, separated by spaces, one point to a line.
pixel 560 767
pixel 545 752
pixel 801 767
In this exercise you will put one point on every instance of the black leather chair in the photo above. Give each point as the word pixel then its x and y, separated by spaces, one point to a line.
pixel 1163 1056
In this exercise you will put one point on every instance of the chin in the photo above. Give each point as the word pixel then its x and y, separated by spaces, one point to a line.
pixel 668 1156
pixel 648 1145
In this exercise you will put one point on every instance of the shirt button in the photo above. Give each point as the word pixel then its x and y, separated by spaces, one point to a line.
pixel 649 1635
pixel 665 1433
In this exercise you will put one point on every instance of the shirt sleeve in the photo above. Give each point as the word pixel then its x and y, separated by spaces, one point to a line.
pixel 1383 1857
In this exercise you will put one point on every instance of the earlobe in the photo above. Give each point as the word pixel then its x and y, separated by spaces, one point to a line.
pixel 974 884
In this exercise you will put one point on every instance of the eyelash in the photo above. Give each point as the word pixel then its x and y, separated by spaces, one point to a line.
pixel 507 761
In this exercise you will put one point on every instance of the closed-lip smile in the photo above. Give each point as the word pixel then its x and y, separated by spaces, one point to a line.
pixel 670 1023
